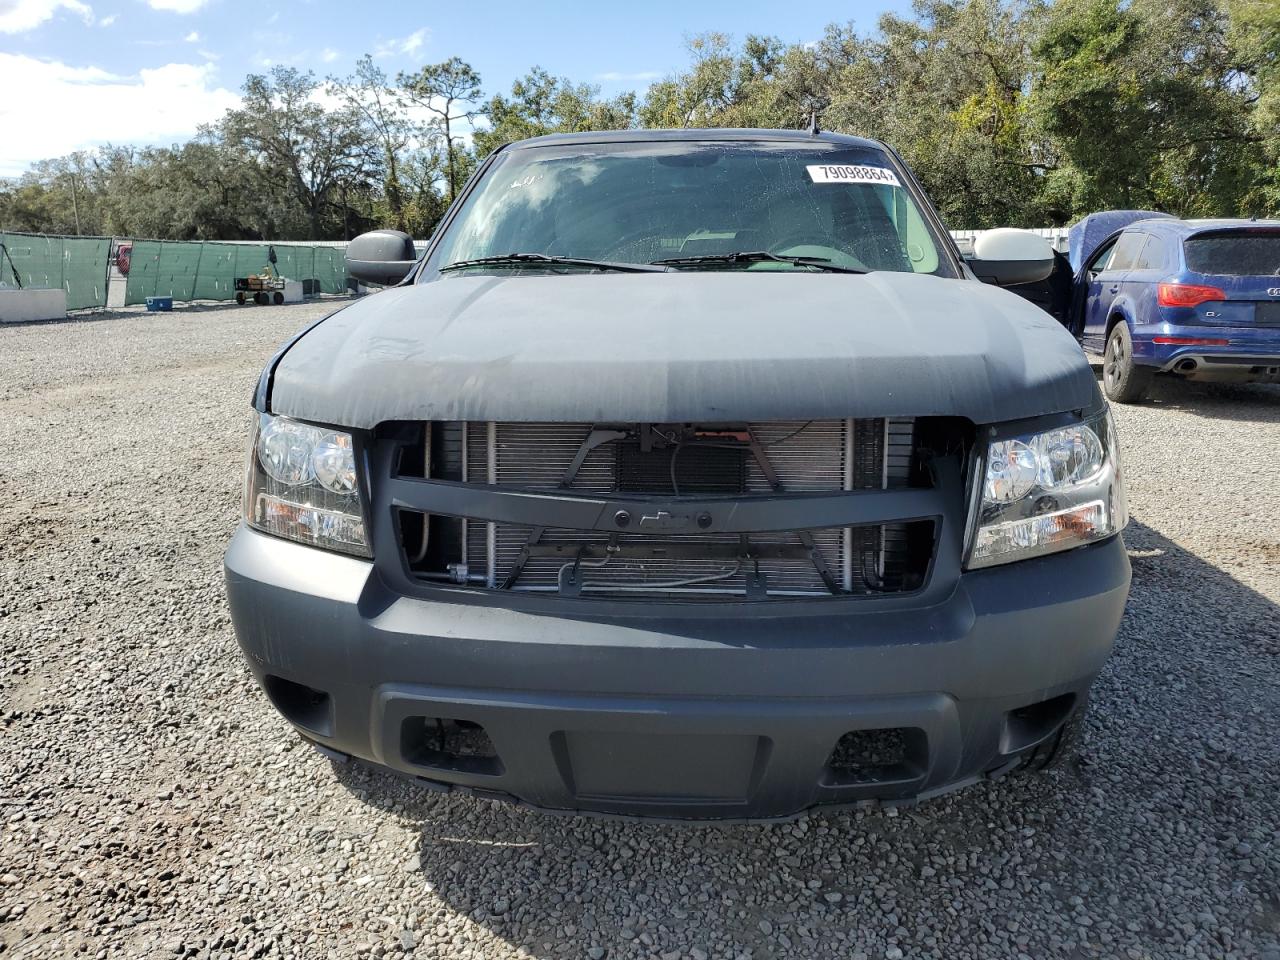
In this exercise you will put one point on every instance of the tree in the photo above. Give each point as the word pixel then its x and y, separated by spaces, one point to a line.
pixel 448 93
pixel 1144 104
pixel 301 146
pixel 763 84
pixel 1254 40
pixel 368 93
pixel 424 173
pixel 540 104
pixel 947 88
pixel 703 95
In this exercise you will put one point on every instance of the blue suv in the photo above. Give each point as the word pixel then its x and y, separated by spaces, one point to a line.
pixel 1196 298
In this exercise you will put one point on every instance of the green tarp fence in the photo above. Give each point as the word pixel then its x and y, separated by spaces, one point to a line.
pixel 206 270
pixel 76 264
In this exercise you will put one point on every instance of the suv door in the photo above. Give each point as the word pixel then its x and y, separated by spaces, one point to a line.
pixel 1104 274
pixel 1092 277
pixel 1144 275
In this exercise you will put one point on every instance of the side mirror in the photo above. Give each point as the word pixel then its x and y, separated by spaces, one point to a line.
pixel 384 257
pixel 1008 257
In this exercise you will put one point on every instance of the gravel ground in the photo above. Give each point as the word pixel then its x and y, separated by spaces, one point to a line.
pixel 152 804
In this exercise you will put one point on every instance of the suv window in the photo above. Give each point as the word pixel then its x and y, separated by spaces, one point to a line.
pixel 1152 255
pixel 1126 251
pixel 1237 254
pixel 1101 258
pixel 642 202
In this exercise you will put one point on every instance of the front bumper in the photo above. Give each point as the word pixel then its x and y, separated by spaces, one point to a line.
pixel 679 711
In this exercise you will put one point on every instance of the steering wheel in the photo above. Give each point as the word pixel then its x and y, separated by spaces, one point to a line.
pixel 807 245
pixel 622 246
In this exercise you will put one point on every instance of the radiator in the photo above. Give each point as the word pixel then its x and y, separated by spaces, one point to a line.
pixel 805 456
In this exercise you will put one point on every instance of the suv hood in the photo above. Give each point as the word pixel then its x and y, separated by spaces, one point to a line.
pixel 1089 233
pixel 683 346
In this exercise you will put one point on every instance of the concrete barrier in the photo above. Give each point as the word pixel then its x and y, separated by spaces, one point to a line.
pixel 23 306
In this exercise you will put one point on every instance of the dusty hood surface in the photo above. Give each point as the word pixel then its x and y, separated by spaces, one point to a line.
pixel 671 347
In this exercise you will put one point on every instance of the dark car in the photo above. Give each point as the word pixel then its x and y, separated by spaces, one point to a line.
pixel 1198 299
pixel 688 474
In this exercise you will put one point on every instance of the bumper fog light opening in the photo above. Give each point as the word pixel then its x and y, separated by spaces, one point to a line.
pixel 303 706
pixel 1028 726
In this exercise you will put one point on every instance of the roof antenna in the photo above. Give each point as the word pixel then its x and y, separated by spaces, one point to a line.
pixel 814 129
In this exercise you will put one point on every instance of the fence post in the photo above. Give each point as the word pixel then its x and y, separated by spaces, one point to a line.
pixel 195 281
pixel 106 273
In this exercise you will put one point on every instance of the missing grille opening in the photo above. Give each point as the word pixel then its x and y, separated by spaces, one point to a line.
pixel 746 460
pixel 874 559
pixel 882 755
pixel 449 744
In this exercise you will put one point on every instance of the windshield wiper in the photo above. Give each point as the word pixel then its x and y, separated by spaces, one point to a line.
pixel 519 259
pixel 759 256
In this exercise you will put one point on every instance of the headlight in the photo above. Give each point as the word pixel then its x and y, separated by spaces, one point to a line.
pixel 1049 491
pixel 303 485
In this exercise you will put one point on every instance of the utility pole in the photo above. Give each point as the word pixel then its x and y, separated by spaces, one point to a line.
pixel 75 203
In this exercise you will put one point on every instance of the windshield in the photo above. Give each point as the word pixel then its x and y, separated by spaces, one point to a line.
pixel 695 203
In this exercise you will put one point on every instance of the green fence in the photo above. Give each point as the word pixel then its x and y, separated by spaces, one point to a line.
pixel 76 264
pixel 207 270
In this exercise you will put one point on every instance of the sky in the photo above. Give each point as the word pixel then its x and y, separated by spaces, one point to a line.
pixel 80 73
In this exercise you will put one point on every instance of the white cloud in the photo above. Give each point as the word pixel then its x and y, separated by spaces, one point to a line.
pixel 82 107
pixel 177 6
pixel 209 54
pixel 404 46
pixel 325 98
pixel 328 54
pixel 413 43
pixel 19 16
pixel 192 37
pixel 614 77
pixel 108 20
